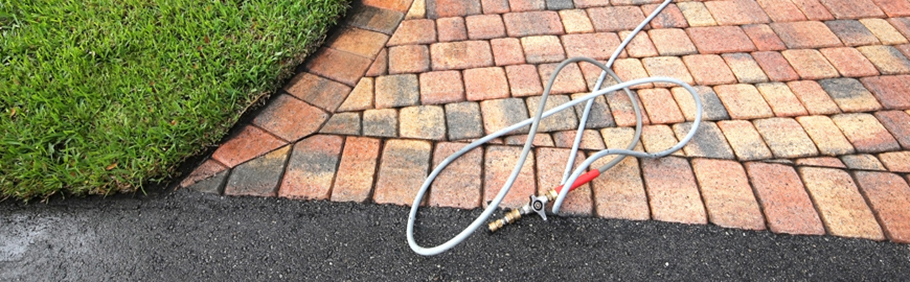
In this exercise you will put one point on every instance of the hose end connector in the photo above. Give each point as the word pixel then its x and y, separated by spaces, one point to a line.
pixel 509 218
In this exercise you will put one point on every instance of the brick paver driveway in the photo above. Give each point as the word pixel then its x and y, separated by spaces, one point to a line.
pixel 806 106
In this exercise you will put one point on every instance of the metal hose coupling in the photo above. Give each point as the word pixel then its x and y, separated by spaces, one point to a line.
pixel 535 205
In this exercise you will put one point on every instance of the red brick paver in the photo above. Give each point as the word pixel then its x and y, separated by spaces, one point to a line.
pixel 402 169
pixel 311 168
pixel 784 200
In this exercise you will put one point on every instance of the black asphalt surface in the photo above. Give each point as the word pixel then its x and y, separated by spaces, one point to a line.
pixel 189 236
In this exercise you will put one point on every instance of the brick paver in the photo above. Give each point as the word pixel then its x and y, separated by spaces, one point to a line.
pixel 888 196
pixel 356 169
pixel 785 203
pixel 814 86
pixel 459 184
pixel 311 168
pixel 672 191
pixel 840 204
pixel 402 169
pixel 727 195
pixel 498 163
pixel 259 176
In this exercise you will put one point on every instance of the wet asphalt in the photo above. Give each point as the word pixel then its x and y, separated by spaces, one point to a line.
pixel 187 235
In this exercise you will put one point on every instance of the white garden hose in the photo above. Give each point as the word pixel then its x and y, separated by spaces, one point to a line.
pixel 535 122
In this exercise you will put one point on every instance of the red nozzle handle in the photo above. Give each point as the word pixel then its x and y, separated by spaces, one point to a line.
pixel 581 180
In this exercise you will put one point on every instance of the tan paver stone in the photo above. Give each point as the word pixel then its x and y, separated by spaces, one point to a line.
pixel 841 206
pixel 886 33
pixel 397 91
pixel 745 68
pixel 576 21
pixel 621 194
pixel 551 164
pixel 631 69
pixel 418 10
pixel 657 138
pixel 354 180
pixel 785 137
pixel 743 101
pixel 746 142
pixel 783 198
pixel 672 42
pixel 696 14
pixel 813 97
pixel 402 170
pixel 887 59
pixel 569 80
pixel 896 161
pixel 499 161
pixel 672 192
pixel 640 46
pixel 782 101
pixel 810 64
pixel 737 12
pixel 866 133
pixel 889 196
pixel 311 168
pixel 423 122
pixel 361 98
pixel 863 161
pixel 459 184
pixel 668 67
pixel 727 194
pixel 827 136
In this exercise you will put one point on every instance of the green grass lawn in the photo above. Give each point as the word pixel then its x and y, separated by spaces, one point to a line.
pixel 102 96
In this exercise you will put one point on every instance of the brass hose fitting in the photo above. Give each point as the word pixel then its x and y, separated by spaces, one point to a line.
pixel 509 218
